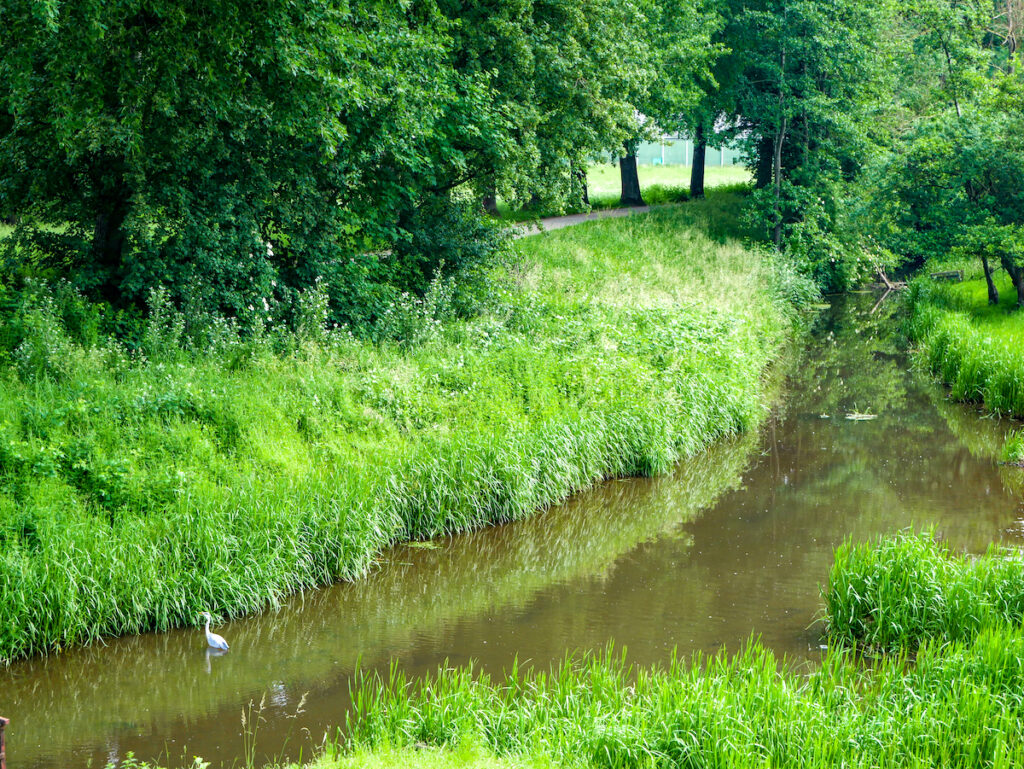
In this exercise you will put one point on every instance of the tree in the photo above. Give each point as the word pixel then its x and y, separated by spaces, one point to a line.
pixel 794 85
pixel 560 73
pixel 677 55
pixel 958 187
pixel 233 151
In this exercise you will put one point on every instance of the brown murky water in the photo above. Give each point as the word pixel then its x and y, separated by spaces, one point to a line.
pixel 737 542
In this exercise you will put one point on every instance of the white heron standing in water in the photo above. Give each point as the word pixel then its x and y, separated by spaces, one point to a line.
pixel 214 640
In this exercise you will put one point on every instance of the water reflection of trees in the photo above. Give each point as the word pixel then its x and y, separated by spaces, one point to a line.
pixel 922 461
pixel 983 435
pixel 855 363
pixel 132 684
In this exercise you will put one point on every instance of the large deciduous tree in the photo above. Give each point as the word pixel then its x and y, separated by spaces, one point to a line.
pixel 230 150
pixel 798 79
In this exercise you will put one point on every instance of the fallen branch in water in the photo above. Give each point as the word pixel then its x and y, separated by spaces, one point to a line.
pixel 888 283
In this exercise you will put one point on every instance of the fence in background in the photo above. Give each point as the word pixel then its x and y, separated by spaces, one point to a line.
pixel 678 151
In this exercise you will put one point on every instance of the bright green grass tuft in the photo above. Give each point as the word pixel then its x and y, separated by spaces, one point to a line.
pixel 1013 449
pixel 136 492
pixel 975 348
pixel 900 592
pixel 957 705
pixel 466 755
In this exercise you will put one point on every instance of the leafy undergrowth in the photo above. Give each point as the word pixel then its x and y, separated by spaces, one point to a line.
pixel 139 488
pixel 975 348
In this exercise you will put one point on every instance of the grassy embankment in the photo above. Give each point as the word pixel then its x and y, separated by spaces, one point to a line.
pixel 658 184
pixel 136 490
pixel 975 348
pixel 956 702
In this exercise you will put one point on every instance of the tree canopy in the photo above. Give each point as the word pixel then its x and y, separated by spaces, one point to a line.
pixel 237 155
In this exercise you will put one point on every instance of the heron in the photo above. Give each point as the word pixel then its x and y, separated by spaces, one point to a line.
pixel 214 640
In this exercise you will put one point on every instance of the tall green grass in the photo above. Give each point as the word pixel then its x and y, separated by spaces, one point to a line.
pixel 138 488
pixel 899 592
pixel 976 349
pixel 950 693
pixel 956 706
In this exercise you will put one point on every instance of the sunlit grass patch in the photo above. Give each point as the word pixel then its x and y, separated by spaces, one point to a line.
pixel 466 755
pixel 659 185
pixel 977 349
pixel 604 179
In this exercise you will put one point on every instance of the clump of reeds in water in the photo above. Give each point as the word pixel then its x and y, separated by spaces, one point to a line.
pixel 1013 449
pixel 901 591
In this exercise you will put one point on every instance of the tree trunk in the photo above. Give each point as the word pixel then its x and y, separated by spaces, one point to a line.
pixel 491 201
pixel 777 176
pixel 108 238
pixel 993 292
pixel 1016 271
pixel 1014 20
pixel 765 155
pixel 581 179
pixel 630 181
pixel 700 150
pixel 1018 284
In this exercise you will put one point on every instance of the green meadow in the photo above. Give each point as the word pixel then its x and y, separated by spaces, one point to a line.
pixel 660 185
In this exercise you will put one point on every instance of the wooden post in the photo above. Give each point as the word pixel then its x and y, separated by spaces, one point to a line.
pixel 3 758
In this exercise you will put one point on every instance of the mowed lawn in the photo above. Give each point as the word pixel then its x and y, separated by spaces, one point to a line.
pixel 603 179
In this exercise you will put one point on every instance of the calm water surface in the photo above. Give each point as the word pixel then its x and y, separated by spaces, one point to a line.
pixel 735 543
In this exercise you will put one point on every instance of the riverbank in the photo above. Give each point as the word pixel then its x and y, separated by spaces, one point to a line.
pixel 975 348
pixel 137 492
pixel 957 705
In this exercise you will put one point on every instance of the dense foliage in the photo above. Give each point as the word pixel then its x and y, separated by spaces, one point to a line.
pixel 238 154
pixel 946 180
